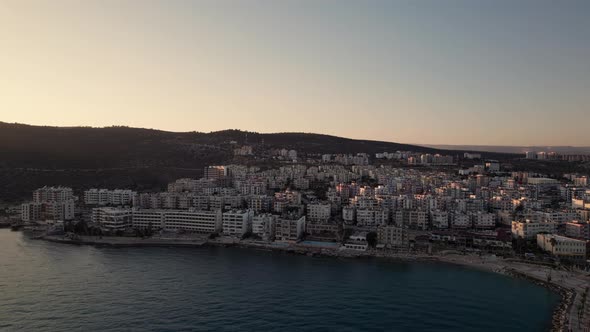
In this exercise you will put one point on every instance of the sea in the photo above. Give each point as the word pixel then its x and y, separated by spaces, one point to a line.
pixel 48 286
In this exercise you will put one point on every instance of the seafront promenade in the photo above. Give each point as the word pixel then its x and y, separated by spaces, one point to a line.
pixel 113 241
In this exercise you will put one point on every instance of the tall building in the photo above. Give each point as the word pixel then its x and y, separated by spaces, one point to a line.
pixel 319 212
pixel 215 172
pixel 392 236
pixel 52 194
pixel 263 225
pixel 237 222
pixel 112 219
pixel 290 229
pixel 49 203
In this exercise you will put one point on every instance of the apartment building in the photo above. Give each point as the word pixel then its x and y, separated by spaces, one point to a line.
pixel 117 197
pixel 197 221
pixel 237 222
pixel 392 236
pixel 319 212
pixel 290 229
pixel 264 225
pixel 528 229
pixel 112 219
pixel 563 247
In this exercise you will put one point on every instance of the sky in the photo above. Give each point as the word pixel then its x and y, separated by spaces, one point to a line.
pixel 502 72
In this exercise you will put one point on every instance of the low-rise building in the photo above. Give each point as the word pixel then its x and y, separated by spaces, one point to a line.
pixel 322 231
pixel 357 241
pixel 561 246
pixel 578 230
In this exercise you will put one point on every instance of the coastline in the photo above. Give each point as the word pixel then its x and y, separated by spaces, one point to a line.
pixel 564 316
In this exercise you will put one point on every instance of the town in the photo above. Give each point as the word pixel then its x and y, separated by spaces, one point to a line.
pixel 340 204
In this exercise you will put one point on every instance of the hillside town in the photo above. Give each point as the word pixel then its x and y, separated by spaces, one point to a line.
pixel 345 203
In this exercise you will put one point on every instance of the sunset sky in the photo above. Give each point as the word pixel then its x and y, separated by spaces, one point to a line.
pixel 514 72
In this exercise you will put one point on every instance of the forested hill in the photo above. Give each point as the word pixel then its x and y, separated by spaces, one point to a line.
pixel 112 147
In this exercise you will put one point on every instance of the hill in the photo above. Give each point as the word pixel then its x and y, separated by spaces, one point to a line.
pixel 114 147
pixel 515 149
pixel 144 159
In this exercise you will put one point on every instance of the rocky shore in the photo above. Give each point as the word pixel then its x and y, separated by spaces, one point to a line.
pixel 560 321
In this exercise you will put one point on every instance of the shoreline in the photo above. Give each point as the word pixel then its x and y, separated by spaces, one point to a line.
pixel 563 317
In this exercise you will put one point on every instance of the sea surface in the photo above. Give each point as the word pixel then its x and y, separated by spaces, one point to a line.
pixel 58 287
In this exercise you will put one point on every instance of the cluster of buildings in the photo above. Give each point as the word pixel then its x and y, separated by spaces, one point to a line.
pixel 348 202
pixel 49 203
pixel 346 159
pixel 427 159
pixel 552 155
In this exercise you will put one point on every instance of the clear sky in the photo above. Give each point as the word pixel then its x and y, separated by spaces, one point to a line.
pixel 501 72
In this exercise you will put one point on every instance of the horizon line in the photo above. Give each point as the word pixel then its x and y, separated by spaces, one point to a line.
pixel 290 132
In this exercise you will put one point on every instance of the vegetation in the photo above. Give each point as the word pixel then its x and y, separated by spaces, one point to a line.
pixel 144 159
pixel 372 239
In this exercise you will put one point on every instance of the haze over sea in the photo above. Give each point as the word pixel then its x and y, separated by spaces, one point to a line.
pixel 55 287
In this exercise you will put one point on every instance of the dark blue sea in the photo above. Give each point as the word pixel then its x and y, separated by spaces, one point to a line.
pixel 56 287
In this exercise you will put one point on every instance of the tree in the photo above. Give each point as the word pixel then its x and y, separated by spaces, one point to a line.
pixel 372 239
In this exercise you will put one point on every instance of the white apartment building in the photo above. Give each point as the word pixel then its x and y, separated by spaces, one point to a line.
pixel 290 229
pixel 111 218
pixel 372 217
pixel 237 222
pixel 561 246
pixel 48 210
pixel 461 221
pixel 31 211
pixel 53 194
pixel 149 218
pixel 197 221
pixel 418 219
pixel 559 217
pixel 263 225
pixel 391 236
pixel 348 214
pixel 440 219
pixel 259 203
pixel 117 197
pixel 528 230
pixel 319 212
pixel 483 220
